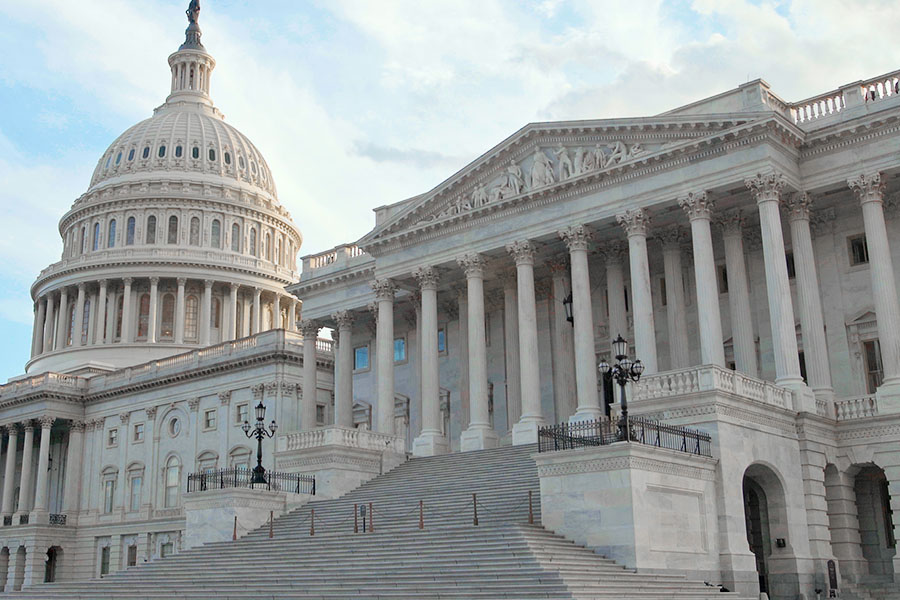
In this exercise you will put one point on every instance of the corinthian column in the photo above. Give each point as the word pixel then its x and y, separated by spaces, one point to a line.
pixel 525 431
pixel 62 325
pixel 310 331
pixel 869 189
pixel 126 336
pixel 179 311
pixel 72 489
pixel 479 435
pixel 699 208
pixel 430 441
pixel 343 393
pixel 766 190
pixel 742 337
pixel 48 322
pixel 9 475
pixel 812 323
pixel 384 354
pixel 206 312
pixel 511 348
pixel 100 319
pixel 679 350
pixel 576 239
pixel 25 482
pixel 41 493
pixel 152 318
pixel 79 317
pixel 37 345
pixel 635 223
pixel 615 289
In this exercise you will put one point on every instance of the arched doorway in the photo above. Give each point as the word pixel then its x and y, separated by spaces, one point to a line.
pixel 51 566
pixel 876 521
pixel 765 515
pixel 4 567
pixel 19 575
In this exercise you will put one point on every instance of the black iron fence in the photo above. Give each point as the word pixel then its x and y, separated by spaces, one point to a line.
pixel 566 436
pixel 238 477
pixel 57 519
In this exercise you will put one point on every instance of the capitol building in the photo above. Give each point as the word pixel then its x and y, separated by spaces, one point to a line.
pixel 745 246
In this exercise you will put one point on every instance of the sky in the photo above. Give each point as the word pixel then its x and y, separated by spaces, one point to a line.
pixel 360 103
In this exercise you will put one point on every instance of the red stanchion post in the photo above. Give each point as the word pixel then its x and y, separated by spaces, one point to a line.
pixel 271 524
pixel 530 510
pixel 474 510
pixel 234 535
pixel 312 521
pixel 371 519
pixel 421 515
pixel 356 518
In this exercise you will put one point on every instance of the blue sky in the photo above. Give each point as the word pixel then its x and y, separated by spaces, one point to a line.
pixel 359 103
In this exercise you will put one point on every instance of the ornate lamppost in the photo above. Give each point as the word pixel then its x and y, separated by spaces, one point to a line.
pixel 622 372
pixel 259 431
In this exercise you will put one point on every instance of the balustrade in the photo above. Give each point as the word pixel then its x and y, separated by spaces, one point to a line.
pixel 711 378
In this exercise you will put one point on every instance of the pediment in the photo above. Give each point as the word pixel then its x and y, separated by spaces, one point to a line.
pixel 542 156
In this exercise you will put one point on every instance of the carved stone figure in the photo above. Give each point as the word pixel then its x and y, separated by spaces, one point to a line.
pixel 579 159
pixel 589 162
pixel 618 154
pixel 541 170
pixel 599 157
pixel 479 197
pixel 635 150
pixel 495 194
pixel 193 11
pixel 565 163
pixel 513 179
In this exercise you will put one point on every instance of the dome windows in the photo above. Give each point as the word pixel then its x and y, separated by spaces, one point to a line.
pixel 108 160
pixel 215 234
pixel 253 167
pixel 146 153
pixel 195 152
pixel 212 155
pixel 241 163
pixel 118 158
pixel 95 244
pixel 194 238
pixel 131 155
pixel 162 151
pixel 151 230
pixel 227 158
pixel 172 235
pixel 111 234
pixel 178 151
pixel 129 232
pixel 235 237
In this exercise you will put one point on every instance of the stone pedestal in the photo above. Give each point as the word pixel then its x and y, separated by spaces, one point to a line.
pixel 209 516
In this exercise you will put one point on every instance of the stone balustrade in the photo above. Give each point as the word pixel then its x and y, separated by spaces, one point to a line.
pixel 855 408
pixel 340 436
pixel 834 101
pixel 338 257
pixel 711 378
pixel 47 382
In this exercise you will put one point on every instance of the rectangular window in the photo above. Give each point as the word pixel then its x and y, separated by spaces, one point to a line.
pixel 209 419
pixel 442 340
pixel 132 556
pixel 138 432
pixel 320 414
pixel 399 350
pixel 874 369
pixel 137 482
pixel 104 560
pixel 109 493
pixel 112 439
pixel 859 250
pixel 361 357
pixel 722 278
pixel 792 272
pixel 166 549
pixel 242 413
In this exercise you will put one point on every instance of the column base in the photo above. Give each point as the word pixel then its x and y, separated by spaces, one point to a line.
pixel 39 517
pixel 589 413
pixel 479 437
pixel 887 396
pixel 526 431
pixel 804 398
pixel 430 443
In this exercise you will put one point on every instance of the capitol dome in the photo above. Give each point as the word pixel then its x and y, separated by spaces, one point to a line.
pixel 179 241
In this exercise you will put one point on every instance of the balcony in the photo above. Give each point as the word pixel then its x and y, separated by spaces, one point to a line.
pixel 338 258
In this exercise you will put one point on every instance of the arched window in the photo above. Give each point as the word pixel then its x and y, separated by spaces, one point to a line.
pixel 172 237
pixel 111 234
pixel 215 234
pixel 267 247
pixel 119 318
pixel 240 458
pixel 191 309
pixel 167 322
pixel 118 158
pixel 195 231
pixel 178 152
pixel 215 315
pixel 131 155
pixel 151 230
pixel 227 158
pixel 235 238
pixel 195 152
pixel 85 321
pixel 212 154
pixel 146 153
pixel 172 482
pixel 253 241
pixel 95 244
pixel 129 232
pixel 143 316
pixel 162 151
pixel 241 162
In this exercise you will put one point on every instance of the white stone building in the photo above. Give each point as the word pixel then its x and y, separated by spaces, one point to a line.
pixel 745 244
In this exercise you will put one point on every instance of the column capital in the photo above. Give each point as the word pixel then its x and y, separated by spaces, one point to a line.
pixel 343 318
pixel 103 283
pixel 11 429
pixel 766 187
pixel 154 281
pixel 151 412
pixel 128 281
pixel 522 251
pixel 78 426
pixel 257 292
pixel 46 421
pixel 472 264
pixel 697 205
pixel 634 221
pixel 576 237
pixel 81 286
pixel 614 251
pixel 797 206
pixel 28 425
pixel 384 289
pixel 194 404
pixel 234 286
pixel 426 277
pixel 181 281
pixel 672 238
pixel 225 397
pixel 208 283
pixel 308 328
pixel 731 222
pixel 868 187
pixel 124 417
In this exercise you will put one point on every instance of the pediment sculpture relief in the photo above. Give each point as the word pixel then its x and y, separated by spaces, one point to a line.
pixel 545 167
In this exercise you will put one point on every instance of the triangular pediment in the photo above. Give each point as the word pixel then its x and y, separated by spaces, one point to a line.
pixel 543 156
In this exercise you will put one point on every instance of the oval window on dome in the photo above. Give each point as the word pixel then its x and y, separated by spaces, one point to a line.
pixel 131 154
pixel 227 158
pixel 195 152
pixel 146 152
pixel 118 158
pixel 212 154
pixel 108 158
pixel 162 151
pixel 241 162
pixel 253 167
pixel 177 151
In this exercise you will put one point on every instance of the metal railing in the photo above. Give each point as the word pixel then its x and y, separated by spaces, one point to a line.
pixel 567 436
pixel 238 477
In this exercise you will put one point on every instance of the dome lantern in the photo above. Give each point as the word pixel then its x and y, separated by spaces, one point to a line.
pixel 191 65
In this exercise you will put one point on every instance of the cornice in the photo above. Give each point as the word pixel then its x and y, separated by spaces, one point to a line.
pixel 365 272
pixel 852 132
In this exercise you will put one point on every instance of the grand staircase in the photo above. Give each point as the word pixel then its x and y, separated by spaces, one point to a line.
pixel 502 557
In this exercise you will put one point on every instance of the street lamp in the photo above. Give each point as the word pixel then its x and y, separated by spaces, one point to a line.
pixel 622 372
pixel 567 304
pixel 259 431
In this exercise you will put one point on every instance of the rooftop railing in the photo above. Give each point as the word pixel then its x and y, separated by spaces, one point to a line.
pixel 339 256
pixel 241 477
pixel 835 101
pixel 602 432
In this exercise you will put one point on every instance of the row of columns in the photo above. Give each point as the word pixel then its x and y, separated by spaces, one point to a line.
pixel 51 325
